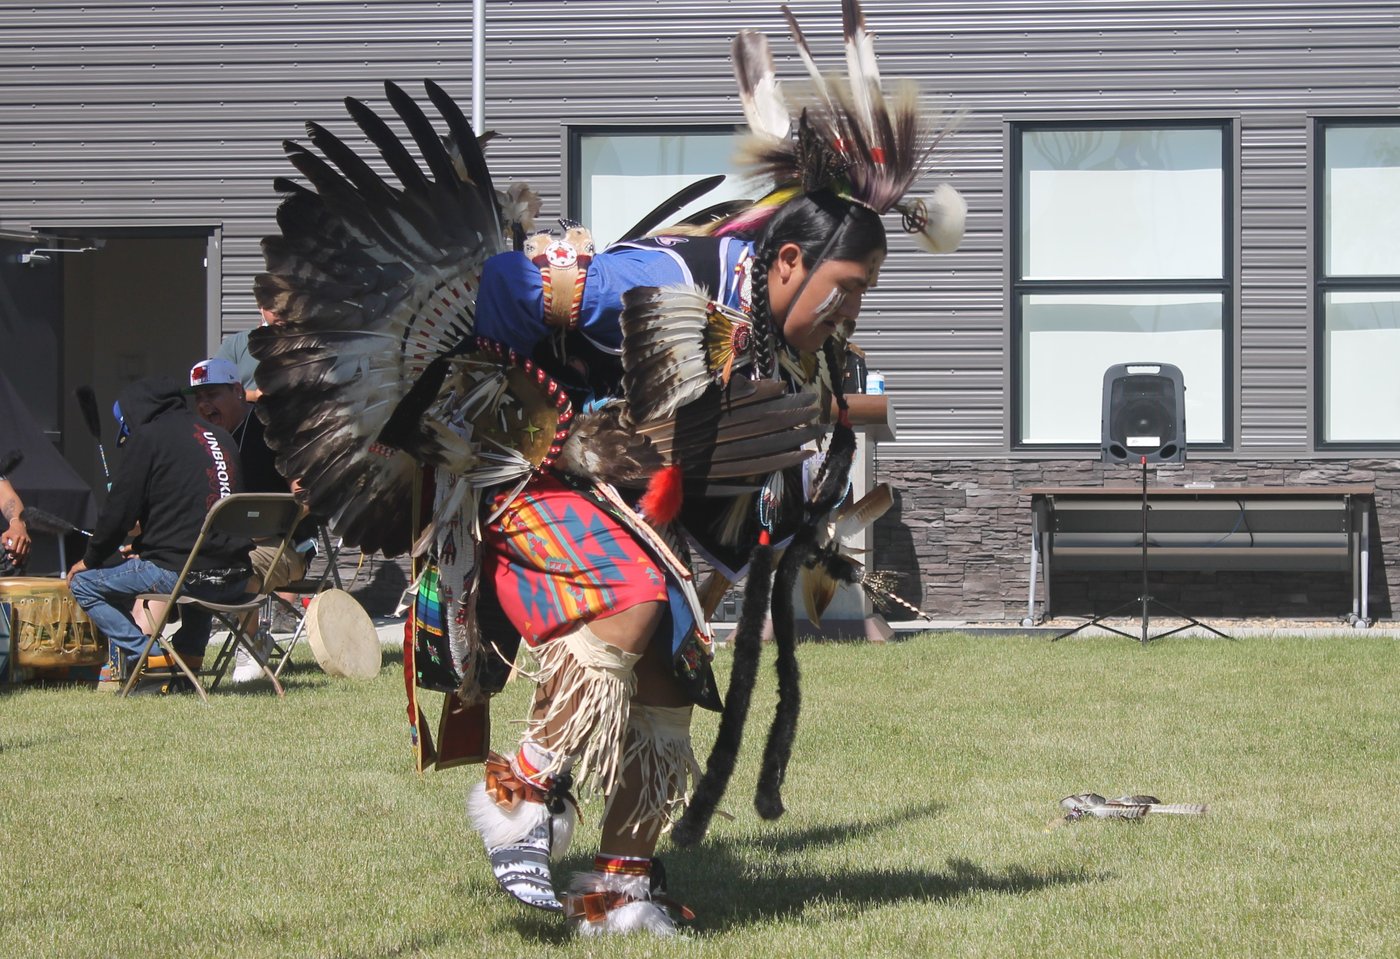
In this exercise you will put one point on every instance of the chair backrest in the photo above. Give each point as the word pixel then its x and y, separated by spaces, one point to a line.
pixel 253 516
pixel 265 516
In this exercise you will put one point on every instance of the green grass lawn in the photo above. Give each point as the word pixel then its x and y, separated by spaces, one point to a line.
pixel 925 775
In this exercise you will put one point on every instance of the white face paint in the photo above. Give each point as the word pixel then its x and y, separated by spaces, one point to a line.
pixel 835 293
pixel 828 307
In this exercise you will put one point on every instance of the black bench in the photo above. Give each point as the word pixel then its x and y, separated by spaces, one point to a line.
pixel 1204 528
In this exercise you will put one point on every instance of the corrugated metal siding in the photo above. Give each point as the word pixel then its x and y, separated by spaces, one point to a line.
pixel 938 327
pixel 171 110
pixel 160 112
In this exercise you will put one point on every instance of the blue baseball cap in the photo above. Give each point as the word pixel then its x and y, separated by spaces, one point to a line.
pixel 123 431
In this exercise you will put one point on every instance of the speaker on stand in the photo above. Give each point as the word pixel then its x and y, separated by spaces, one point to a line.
pixel 1144 414
pixel 1144 421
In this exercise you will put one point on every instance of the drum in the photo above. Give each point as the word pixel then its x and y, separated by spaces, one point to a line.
pixel 341 635
pixel 47 628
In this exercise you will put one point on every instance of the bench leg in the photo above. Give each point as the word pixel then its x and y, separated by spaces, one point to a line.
pixel 1030 598
pixel 1046 554
pixel 1365 567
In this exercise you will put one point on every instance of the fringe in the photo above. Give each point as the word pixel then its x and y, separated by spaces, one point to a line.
pixel 589 707
pixel 658 743
pixel 748 639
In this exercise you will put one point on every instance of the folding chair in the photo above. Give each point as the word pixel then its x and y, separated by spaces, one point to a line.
pixel 268 517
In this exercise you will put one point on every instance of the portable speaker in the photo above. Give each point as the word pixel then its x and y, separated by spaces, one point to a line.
pixel 1144 413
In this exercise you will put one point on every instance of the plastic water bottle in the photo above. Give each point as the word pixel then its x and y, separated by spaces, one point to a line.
pixel 874 382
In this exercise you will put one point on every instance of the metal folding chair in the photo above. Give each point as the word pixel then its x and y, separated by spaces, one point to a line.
pixel 267 517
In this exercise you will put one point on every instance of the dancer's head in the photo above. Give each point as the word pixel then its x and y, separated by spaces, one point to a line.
pixel 813 262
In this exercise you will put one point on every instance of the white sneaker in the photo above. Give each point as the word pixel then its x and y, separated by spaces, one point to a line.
pixel 245 667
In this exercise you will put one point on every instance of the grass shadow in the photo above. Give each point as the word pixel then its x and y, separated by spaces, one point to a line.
pixel 791 841
pixel 46 682
pixel 789 890
pixel 731 882
pixel 817 639
pixel 18 743
pixel 262 687
pixel 784 886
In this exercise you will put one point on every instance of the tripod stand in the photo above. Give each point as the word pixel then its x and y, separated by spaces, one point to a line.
pixel 1145 598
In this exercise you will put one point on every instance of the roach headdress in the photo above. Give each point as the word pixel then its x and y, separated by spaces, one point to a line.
pixel 850 136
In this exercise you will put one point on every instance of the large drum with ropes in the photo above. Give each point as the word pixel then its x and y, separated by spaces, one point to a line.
pixel 48 630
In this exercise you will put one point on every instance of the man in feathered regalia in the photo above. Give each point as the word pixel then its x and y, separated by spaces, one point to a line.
pixel 574 421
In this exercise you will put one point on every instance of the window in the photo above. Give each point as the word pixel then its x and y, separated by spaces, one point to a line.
pixel 1121 255
pixel 618 174
pixel 1358 282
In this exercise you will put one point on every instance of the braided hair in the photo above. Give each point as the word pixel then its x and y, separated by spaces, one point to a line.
pixel 824 227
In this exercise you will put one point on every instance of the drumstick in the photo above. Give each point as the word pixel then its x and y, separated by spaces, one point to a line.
pixel 46 522
pixel 712 591
pixel 87 403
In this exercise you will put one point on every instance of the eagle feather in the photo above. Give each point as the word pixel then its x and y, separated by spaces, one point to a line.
pixel 375 281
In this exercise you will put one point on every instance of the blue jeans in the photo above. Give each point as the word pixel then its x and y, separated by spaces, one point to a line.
pixel 106 595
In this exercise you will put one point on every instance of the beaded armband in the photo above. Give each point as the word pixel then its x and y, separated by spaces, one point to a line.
pixel 563 264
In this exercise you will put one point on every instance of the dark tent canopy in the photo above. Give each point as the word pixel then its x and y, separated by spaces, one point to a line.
pixel 44 479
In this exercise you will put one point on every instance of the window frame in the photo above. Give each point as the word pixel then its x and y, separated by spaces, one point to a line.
pixel 1323 284
pixel 1226 286
pixel 574 135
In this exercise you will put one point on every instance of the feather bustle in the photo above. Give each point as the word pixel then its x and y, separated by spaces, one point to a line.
pixel 374 280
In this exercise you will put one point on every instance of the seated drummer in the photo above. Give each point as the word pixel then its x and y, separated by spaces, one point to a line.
pixel 14 542
pixel 221 398
pixel 14 550
pixel 171 470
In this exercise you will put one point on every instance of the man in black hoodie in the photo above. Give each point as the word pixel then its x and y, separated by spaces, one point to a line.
pixel 173 468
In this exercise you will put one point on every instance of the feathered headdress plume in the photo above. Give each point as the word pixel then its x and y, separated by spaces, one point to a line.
pixel 852 137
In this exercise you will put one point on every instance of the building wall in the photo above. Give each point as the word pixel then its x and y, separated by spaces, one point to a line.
pixel 173 113
pixel 959 536
pixel 170 112
pixel 938 327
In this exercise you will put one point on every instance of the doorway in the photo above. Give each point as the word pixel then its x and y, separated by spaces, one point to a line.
pixel 118 304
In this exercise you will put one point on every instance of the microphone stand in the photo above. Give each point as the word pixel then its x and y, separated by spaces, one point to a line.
pixel 1145 597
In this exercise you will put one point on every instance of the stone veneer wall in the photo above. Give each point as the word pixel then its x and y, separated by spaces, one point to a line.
pixel 376 582
pixel 959 535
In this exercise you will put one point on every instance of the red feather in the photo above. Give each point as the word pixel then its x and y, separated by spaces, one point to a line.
pixel 662 501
